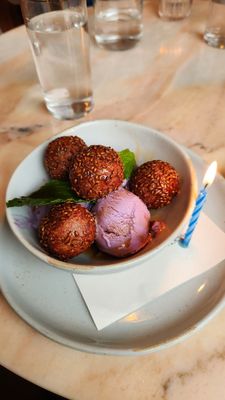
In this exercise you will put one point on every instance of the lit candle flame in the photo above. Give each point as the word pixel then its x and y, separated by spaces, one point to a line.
pixel 210 174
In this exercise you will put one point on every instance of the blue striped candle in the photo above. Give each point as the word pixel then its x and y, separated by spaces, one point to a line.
pixel 200 201
pixel 194 218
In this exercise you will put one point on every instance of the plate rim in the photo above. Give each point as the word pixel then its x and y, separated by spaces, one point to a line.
pixel 108 351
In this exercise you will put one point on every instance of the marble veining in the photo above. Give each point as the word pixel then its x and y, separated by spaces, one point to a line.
pixel 171 81
pixel 10 133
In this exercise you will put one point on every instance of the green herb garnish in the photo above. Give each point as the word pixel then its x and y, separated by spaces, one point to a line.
pixel 52 192
pixel 129 162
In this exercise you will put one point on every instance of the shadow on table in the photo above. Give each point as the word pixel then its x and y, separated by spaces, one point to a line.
pixel 12 386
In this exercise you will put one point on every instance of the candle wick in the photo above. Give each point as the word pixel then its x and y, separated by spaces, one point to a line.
pixel 206 185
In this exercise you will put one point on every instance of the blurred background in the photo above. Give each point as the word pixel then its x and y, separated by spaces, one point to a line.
pixel 10 14
pixel 12 386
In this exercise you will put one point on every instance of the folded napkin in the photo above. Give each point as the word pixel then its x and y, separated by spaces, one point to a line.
pixel 112 296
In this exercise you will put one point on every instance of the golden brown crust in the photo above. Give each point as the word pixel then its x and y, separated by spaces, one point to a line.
pixel 68 230
pixel 95 172
pixel 59 153
pixel 156 183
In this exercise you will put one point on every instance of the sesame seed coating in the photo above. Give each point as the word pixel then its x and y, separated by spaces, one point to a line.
pixel 95 172
pixel 68 230
pixel 156 183
pixel 59 153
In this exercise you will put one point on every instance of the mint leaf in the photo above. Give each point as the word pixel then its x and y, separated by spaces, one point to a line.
pixel 52 192
pixel 129 162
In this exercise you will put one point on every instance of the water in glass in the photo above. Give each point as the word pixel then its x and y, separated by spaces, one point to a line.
pixel 60 45
pixel 118 27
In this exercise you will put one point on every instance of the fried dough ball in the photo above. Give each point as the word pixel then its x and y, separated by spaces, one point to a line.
pixel 156 183
pixel 59 153
pixel 95 172
pixel 68 230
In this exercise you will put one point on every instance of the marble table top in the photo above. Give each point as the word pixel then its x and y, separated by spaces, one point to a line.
pixel 171 81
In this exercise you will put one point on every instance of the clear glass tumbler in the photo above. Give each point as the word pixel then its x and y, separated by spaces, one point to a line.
pixel 59 41
pixel 174 9
pixel 118 23
pixel 214 34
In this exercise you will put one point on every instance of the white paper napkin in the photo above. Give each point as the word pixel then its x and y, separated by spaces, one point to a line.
pixel 112 296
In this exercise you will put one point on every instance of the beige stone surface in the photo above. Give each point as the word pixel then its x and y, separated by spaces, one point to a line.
pixel 171 81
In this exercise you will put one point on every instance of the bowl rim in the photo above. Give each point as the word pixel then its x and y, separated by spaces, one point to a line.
pixel 123 262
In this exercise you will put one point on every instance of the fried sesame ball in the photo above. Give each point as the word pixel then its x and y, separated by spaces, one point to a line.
pixel 67 230
pixel 95 172
pixel 59 153
pixel 155 182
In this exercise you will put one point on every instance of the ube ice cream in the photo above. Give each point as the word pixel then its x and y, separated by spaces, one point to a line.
pixel 122 223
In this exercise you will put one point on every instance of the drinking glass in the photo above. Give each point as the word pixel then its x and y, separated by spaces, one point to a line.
pixel 214 34
pixel 174 9
pixel 118 23
pixel 59 40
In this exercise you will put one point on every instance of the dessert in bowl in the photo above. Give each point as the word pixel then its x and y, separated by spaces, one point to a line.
pixel 106 201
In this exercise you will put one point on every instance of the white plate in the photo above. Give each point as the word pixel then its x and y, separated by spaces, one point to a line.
pixel 49 300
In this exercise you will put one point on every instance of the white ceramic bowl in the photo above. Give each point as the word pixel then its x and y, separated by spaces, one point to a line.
pixel 147 144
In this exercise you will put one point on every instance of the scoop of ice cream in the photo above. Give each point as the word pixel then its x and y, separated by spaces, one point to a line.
pixel 122 223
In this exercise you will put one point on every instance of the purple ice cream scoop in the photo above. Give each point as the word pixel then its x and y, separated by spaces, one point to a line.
pixel 123 222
